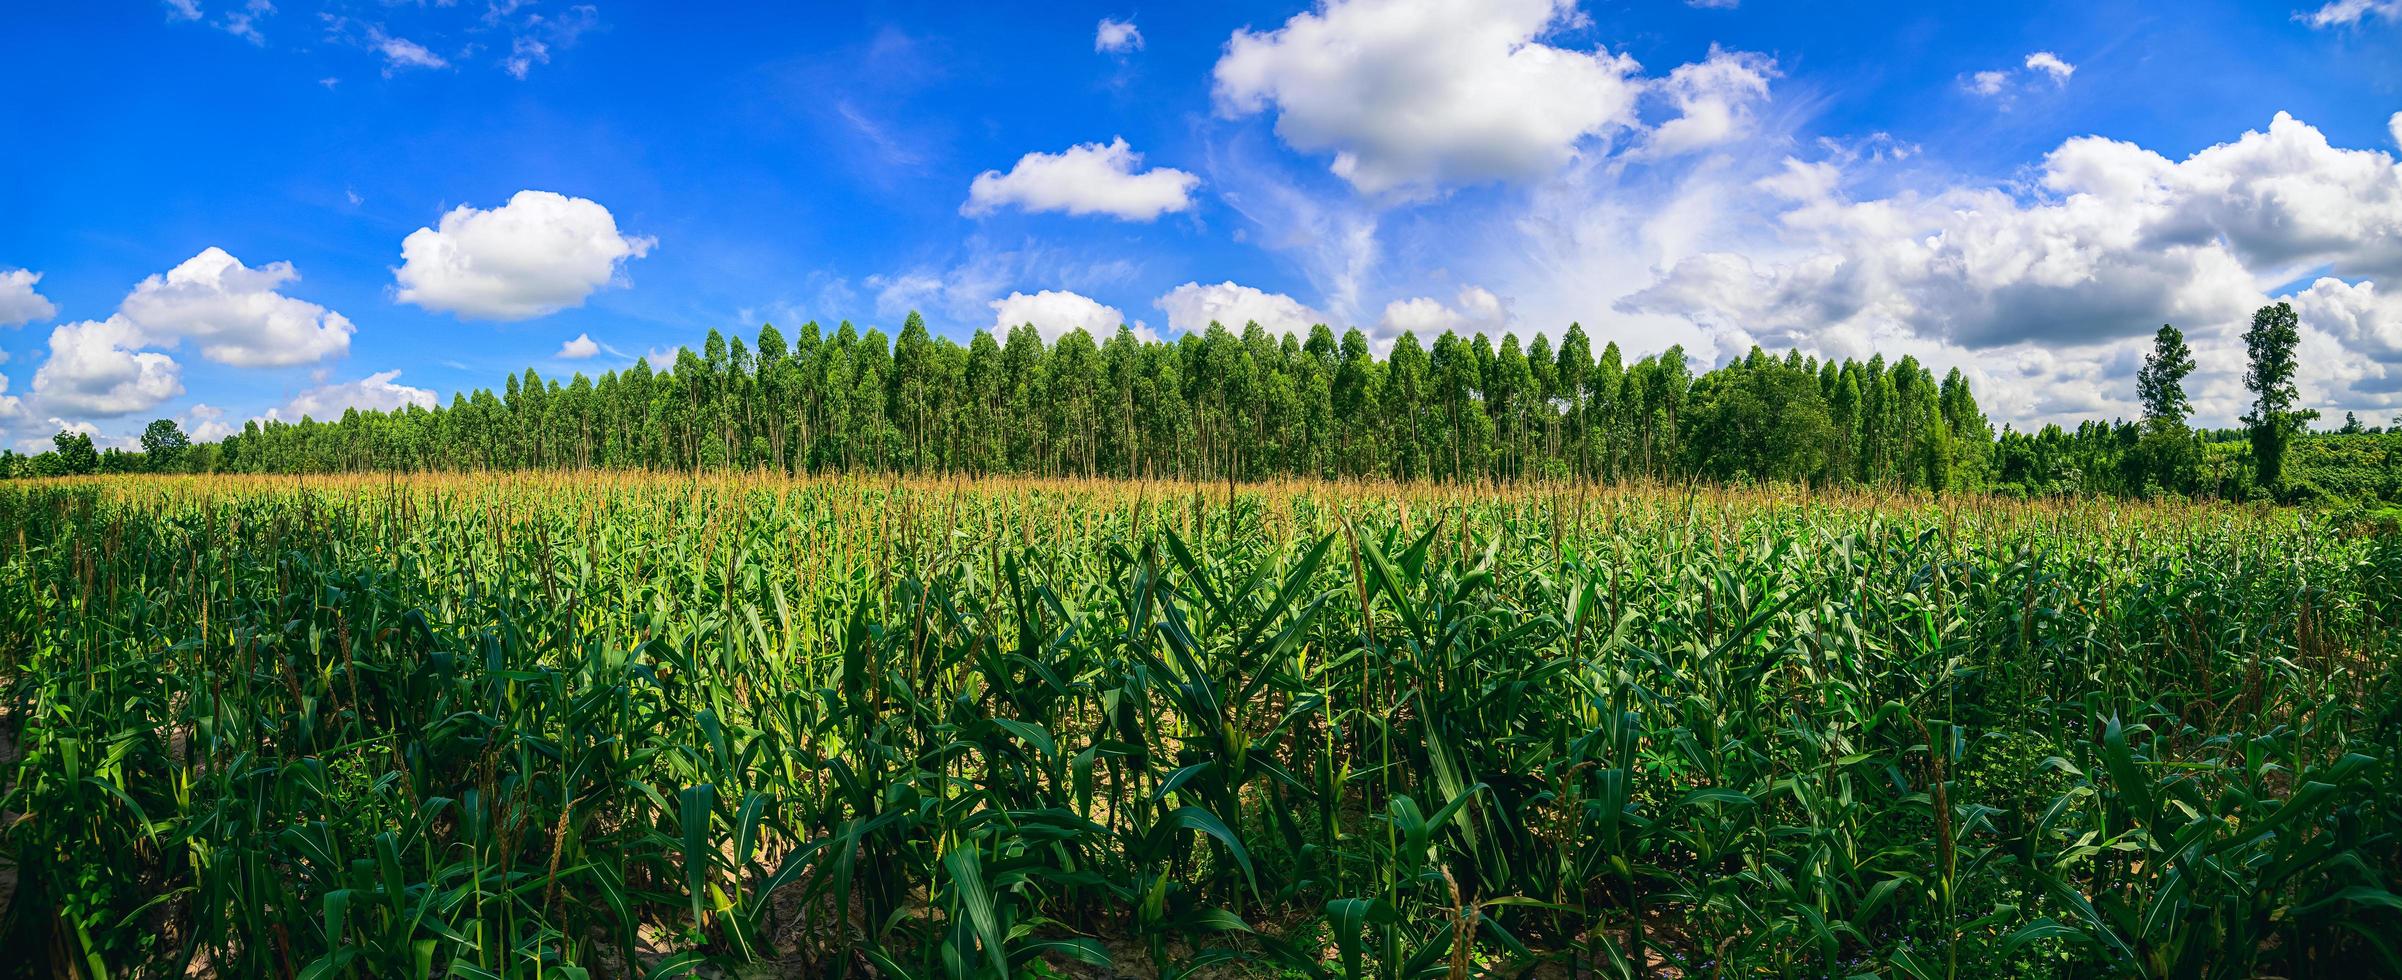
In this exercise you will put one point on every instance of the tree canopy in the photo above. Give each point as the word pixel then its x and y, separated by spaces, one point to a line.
pixel 1223 403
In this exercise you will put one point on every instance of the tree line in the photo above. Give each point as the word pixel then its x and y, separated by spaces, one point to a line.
pixel 1217 404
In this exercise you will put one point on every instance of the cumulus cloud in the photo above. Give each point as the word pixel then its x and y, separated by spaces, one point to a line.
pixel 55 424
pixel 2050 64
pixel 1412 94
pixel 1475 310
pixel 583 346
pixel 2356 313
pixel 1999 84
pixel 2112 241
pixel 2345 13
pixel 960 294
pixel 1193 306
pixel 206 423
pixel 1055 312
pixel 1088 178
pixel 376 392
pixel 96 368
pixel 19 304
pixel 2124 237
pixel 1116 36
pixel 1714 99
pixel 235 313
pixel 538 254
pixel 11 407
pixel 2043 290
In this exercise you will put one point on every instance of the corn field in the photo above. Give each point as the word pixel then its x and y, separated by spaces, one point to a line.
pixel 576 724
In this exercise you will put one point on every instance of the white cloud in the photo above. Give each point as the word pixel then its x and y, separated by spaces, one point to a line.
pixel 2050 64
pixel 243 23
pixel 537 35
pixel 62 425
pixel 234 313
pixel 2044 291
pixel 2356 314
pixel 401 54
pixel 206 423
pixel 2344 13
pixel 11 406
pixel 1088 178
pixel 2283 200
pixel 1193 306
pixel 898 294
pixel 95 368
pixel 19 304
pixel 1116 36
pixel 2002 83
pixel 2127 236
pixel 2393 127
pixel 40 440
pixel 524 54
pixel 1714 99
pixel 1055 312
pixel 538 254
pixel 960 295
pixel 1332 239
pixel 583 346
pixel 2117 240
pixel 1475 310
pixel 1412 94
pixel 375 392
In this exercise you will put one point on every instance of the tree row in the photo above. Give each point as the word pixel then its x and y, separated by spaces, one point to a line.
pixel 1217 404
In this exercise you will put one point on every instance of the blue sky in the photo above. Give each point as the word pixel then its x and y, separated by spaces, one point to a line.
pixel 2024 191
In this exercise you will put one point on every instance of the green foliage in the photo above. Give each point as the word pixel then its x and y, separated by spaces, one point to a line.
pixel 566 724
pixel 1219 405
pixel 75 454
pixel 2160 384
pixel 2274 334
pixel 1214 405
pixel 164 444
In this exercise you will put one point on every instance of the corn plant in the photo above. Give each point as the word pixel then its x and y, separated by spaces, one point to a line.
pixel 645 725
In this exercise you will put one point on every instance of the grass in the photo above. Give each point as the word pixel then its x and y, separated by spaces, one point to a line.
pixel 617 724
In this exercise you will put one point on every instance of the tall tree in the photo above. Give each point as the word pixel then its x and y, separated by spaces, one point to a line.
pixel 2273 420
pixel 913 393
pixel 1967 431
pixel 2167 455
pixel 775 395
pixel 75 454
pixel 2161 382
pixel 163 444
pixel 1573 367
pixel 1217 405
